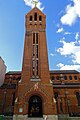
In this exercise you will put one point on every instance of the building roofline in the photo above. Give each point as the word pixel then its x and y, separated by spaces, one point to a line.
pixel 51 72
pixel 14 72
pixel 34 9
pixel 64 72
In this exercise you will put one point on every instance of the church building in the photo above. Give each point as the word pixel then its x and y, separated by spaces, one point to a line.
pixel 37 92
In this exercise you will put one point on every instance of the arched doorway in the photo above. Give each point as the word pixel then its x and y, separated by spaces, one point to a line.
pixel 35 106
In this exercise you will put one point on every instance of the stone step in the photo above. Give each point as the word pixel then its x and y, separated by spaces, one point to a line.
pixel 34 119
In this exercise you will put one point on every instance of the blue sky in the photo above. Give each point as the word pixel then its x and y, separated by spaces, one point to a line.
pixel 62 31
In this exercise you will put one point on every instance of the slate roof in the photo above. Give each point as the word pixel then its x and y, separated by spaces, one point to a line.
pixel 14 72
pixel 64 72
pixel 51 72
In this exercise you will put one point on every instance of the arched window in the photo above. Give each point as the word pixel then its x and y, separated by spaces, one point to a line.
pixel 78 97
pixel 57 77
pixel 70 77
pixel 75 77
pixel 56 95
pixel 52 78
pixel 30 19
pixel 61 108
pixel 56 98
pixel 40 18
pixel 65 77
pixel 35 16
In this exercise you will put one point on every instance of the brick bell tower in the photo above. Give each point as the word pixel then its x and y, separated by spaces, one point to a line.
pixel 35 93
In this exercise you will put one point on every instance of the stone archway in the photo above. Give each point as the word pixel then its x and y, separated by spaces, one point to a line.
pixel 35 106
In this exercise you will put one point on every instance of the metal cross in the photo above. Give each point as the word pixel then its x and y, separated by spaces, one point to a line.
pixel 35 2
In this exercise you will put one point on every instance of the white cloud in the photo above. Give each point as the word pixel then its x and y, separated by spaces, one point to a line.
pixel 77 36
pixel 67 33
pixel 67 48
pixel 72 13
pixel 60 30
pixel 30 3
pixel 52 54
pixel 79 41
pixel 68 67
pixel 72 49
pixel 60 65
pixel 76 57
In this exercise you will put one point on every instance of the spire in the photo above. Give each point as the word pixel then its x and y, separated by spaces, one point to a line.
pixel 35 2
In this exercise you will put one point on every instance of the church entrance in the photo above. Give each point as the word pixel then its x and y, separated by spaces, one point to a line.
pixel 35 107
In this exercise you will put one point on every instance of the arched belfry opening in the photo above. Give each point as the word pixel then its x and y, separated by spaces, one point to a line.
pixel 35 106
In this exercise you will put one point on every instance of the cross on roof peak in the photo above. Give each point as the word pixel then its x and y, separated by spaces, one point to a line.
pixel 35 2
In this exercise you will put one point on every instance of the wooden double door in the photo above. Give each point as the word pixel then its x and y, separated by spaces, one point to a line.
pixel 35 107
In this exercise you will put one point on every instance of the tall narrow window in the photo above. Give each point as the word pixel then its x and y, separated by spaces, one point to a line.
pixel 65 77
pixel 56 98
pixel 57 77
pixel 37 67
pixel 13 101
pixel 36 51
pixel 52 78
pixel 35 16
pixel 61 108
pixel 35 56
pixel 40 18
pixel 33 64
pixel 75 77
pixel 33 51
pixel 33 38
pixel 70 77
pixel 36 38
pixel 78 97
pixel 30 19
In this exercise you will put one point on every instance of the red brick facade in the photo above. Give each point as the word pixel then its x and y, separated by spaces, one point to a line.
pixel 35 69
pixel 59 91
